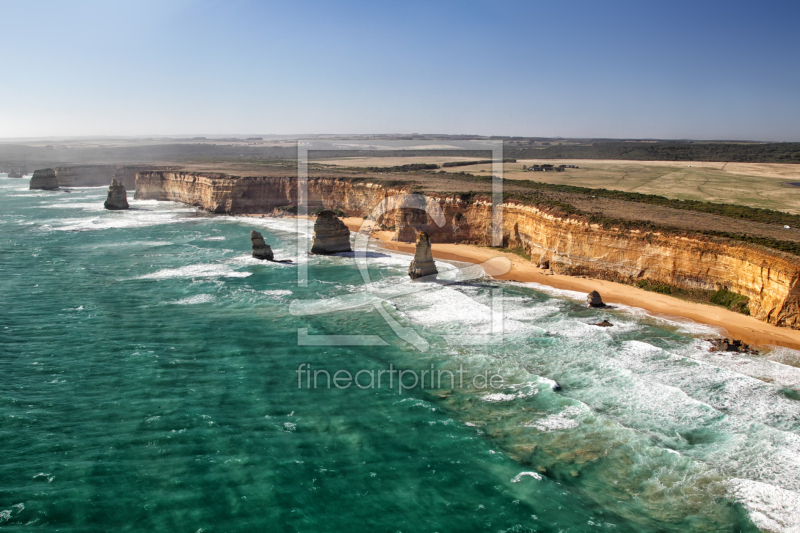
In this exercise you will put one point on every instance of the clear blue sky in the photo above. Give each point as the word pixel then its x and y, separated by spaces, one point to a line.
pixel 700 70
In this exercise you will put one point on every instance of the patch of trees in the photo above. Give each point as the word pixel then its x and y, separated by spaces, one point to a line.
pixel 405 168
pixel 721 297
pixel 663 151
pixel 480 162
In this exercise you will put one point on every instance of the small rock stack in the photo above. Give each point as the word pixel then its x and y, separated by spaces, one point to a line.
pixel 44 179
pixel 423 266
pixel 261 250
pixel 594 299
pixel 331 235
pixel 730 345
pixel 117 196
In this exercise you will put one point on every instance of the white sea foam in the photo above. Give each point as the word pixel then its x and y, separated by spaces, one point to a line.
pixel 197 299
pixel 770 508
pixel 559 421
pixel 277 293
pixel 521 475
pixel 84 206
pixel 498 397
pixel 784 356
pixel 118 220
pixel 768 370
pixel 294 226
pixel 214 239
pixel 214 270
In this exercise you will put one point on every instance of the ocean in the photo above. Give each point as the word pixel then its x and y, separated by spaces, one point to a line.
pixel 155 377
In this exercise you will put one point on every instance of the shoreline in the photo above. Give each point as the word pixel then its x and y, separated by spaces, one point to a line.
pixel 737 326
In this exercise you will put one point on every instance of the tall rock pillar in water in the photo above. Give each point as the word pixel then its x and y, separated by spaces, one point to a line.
pixel 423 266
pixel 44 179
pixel 261 250
pixel 117 196
pixel 331 236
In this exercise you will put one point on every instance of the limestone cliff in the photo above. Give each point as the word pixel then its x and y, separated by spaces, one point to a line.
pixel 569 245
pixel 117 196
pixel 331 236
pixel 85 175
pixel 99 175
pixel 44 179
pixel 220 193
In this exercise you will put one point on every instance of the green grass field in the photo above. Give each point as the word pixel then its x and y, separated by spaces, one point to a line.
pixel 751 184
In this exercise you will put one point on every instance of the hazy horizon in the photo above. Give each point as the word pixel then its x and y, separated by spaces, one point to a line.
pixel 294 136
pixel 621 70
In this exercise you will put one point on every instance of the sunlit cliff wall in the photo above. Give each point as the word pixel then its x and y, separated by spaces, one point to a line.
pixel 570 245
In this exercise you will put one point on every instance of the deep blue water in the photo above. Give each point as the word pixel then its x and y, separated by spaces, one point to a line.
pixel 149 381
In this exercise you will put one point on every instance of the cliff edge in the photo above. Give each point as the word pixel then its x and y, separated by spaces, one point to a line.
pixel 568 244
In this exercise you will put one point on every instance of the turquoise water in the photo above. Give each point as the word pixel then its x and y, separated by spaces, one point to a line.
pixel 148 381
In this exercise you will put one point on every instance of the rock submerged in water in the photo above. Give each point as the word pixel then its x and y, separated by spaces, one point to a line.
pixel 604 324
pixel 594 299
pixel 423 266
pixel 44 179
pixel 261 250
pixel 331 235
pixel 117 196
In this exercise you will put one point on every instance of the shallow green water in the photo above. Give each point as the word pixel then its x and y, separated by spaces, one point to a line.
pixel 148 381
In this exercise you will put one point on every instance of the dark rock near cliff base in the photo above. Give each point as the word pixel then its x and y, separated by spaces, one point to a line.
pixel 730 345
pixel 594 299
pixel 331 235
pixel 44 179
pixel 117 196
pixel 261 250
pixel 423 266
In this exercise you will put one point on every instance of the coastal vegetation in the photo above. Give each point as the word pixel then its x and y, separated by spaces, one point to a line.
pixel 753 152
pixel 405 168
pixel 561 208
pixel 478 162
pixel 287 209
pixel 721 297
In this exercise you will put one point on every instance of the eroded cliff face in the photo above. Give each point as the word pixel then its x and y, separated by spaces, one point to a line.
pixel 85 175
pixel 100 175
pixel 769 278
pixel 220 193
pixel 44 179
pixel 572 246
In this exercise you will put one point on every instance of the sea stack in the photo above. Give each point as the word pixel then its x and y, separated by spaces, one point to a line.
pixel 44 179
pixel 261 250
pixel 594 299
pixel 117 196
pixel 331 236
pixel 423 266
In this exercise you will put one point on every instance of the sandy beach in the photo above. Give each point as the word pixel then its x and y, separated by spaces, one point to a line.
pixel 736 325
